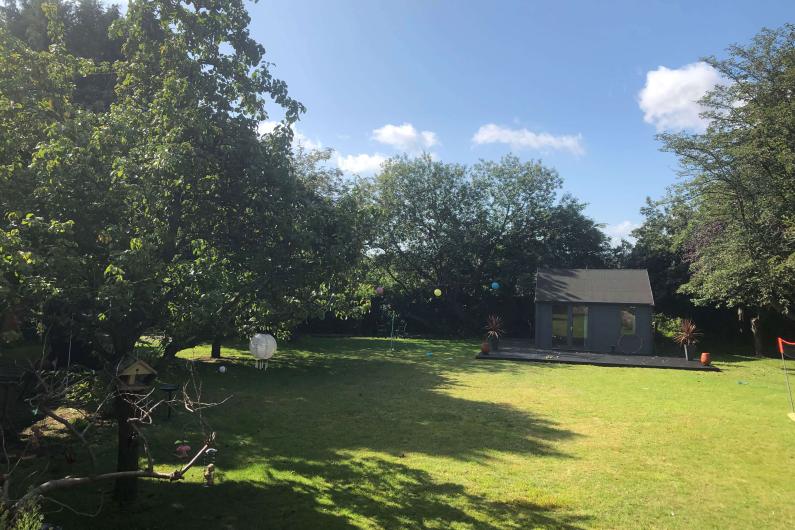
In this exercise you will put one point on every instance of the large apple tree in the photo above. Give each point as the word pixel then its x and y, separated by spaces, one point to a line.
pixel 166 211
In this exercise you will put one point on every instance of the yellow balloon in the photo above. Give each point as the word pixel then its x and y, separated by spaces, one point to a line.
pixel 437 292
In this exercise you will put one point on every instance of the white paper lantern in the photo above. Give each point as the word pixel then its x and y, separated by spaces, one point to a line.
pixel 262 346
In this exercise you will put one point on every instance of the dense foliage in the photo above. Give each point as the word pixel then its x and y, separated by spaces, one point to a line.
pixel 740 186
pixel 720 246
pixel 165 211
pixel 85 33
pixel 460 229
pixel 658 249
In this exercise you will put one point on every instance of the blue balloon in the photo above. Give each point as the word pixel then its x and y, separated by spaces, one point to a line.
pixel 495 285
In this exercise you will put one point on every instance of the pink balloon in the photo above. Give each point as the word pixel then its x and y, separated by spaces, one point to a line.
pixel 379 290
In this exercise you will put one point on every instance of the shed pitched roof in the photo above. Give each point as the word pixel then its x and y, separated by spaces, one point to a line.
pixel 606 286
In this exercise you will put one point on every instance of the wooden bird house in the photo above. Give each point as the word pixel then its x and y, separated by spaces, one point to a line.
pixel 135 374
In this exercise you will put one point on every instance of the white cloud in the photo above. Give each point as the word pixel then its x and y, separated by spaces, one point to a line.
pixel 522 138
pixel 266 127
pixel 307 143
pixel 620 231
pixel 362 163
pixel 405 137
pixel 669 99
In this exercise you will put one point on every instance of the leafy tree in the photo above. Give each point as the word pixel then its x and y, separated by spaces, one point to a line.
pixel 317 271
pixel 168 205
pixel 86 25
pixel 460 228
pixel 740 239
pixel 620 256
pixel 658 249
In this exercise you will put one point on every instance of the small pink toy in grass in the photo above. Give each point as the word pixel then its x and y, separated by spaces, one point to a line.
pixel 182 450
pixel 379 291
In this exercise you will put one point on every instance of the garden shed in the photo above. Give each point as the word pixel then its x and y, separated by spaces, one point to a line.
pixel 598 310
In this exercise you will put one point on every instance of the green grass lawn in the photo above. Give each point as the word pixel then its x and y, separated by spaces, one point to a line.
pixel 343 433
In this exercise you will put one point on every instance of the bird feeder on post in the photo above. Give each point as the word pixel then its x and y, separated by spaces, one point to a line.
pixel 134 375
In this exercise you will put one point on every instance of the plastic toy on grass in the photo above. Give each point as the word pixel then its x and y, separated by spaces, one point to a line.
pixel 182 449
pixel 209 475
pixel 209 455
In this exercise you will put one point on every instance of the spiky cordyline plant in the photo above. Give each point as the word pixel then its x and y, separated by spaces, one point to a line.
pixel 687 335
pixel 494 327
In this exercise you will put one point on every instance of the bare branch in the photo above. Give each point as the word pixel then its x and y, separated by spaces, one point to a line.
pixel 73 430
pixel 51 389
pixel 71 482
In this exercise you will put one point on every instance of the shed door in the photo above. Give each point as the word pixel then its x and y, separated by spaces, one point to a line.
pixel 579 325
pixel 569 325
pixel 560 325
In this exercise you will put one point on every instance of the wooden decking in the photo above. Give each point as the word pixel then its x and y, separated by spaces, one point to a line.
pixel 523 351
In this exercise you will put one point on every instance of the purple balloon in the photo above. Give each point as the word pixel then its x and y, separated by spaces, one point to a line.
pixel 379 290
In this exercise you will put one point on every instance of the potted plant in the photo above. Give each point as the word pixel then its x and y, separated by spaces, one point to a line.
pixel 494 331
pixel 687 336
pixel 484 347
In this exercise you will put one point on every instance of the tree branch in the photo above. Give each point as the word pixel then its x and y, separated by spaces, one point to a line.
pixel 71 482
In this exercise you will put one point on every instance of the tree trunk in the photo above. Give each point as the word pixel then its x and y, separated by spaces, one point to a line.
pixel 126 489
pixel 171 350
pixel 66 349
pixel 215 352
pixel 757 332
pixel 687 357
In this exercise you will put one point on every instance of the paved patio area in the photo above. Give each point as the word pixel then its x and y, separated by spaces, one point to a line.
pixel 516 350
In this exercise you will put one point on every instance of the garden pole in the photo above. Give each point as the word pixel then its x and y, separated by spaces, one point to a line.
pixel 392 334
pixel 781 343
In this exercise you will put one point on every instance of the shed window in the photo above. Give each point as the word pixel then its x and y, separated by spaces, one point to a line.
pixel 628 321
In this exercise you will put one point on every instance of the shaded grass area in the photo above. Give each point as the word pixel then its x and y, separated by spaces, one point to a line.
pixel 344 433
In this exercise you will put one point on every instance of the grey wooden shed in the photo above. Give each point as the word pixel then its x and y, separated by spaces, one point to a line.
pixel 598 310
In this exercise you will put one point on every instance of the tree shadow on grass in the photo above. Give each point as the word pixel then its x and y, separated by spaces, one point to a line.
pixel 379 405
pixel 342 439
pixel 388 494
pixel 311 494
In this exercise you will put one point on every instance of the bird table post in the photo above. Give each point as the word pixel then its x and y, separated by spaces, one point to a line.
pixel 133 378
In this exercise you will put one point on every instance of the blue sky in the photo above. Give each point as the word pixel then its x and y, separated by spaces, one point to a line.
pixel 582 85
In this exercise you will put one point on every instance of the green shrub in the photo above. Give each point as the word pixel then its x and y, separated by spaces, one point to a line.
pixel 26 517
pixel 666 325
